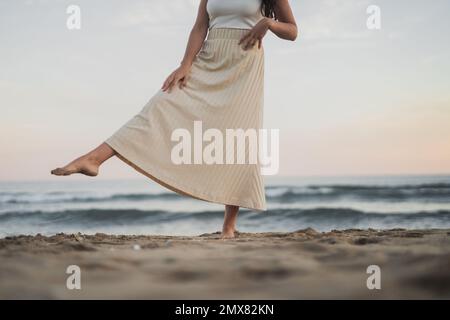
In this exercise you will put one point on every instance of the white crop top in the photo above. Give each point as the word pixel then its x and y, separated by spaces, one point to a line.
pixel 239 14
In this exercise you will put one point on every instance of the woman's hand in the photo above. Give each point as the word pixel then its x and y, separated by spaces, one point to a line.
pixel 179 76
pixel 256 34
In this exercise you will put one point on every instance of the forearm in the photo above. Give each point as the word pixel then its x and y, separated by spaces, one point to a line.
pixel 283 30
pixel 195 42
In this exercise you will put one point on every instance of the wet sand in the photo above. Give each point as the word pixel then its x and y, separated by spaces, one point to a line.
pixel 299 265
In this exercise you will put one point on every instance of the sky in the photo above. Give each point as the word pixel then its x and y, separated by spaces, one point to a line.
pixel 347 100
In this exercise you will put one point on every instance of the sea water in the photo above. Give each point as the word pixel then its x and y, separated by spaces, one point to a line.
pixel 141 206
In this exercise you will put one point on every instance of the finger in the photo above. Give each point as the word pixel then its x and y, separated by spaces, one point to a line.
pixel 253 41
pixel 169 78
pixel 166 83
pixel 250 43
pixel 185 80
pixel 173 83
pixel 181 83
pixel 169 87
pixel 244 37
pixel 245 44
pixel 169 84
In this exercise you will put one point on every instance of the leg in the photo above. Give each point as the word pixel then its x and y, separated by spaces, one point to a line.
pixel 87 164
pixel 229 222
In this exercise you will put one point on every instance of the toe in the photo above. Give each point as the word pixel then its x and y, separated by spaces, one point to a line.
pixel 58 172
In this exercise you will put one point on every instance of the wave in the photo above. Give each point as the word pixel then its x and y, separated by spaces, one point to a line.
pixel 134 216
pixel 60 197
pixel 439 192
pixel 434 192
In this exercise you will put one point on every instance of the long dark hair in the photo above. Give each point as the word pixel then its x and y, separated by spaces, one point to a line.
pixel 268 8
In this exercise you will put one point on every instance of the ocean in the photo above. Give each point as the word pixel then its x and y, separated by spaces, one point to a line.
pixel 141 206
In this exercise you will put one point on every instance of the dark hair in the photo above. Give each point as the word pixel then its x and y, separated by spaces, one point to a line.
pixel 268 8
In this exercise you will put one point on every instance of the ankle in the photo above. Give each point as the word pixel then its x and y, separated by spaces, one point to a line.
pixel 228 229
pixel 93 160
pixel 228 233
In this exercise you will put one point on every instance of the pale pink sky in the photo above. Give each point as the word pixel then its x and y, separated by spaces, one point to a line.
pixel 347 100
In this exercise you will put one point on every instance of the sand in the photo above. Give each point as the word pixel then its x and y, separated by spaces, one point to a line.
pixel 300 265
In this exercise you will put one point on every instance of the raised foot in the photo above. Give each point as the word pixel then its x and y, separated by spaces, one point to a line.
pixel 86 167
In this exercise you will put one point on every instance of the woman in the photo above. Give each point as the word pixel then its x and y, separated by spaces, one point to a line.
pixel 220 83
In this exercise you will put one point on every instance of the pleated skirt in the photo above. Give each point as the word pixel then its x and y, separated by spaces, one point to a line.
pixel 224 90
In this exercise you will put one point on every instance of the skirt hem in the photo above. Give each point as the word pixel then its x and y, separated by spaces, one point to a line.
pixel 170 184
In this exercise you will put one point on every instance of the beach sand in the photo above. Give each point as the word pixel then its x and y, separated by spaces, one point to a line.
pixel 299 265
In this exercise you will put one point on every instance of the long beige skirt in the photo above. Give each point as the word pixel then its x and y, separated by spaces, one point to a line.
pixel 224 90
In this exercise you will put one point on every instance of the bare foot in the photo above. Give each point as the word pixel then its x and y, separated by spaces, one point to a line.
pixel 227 234
pixel 83 165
